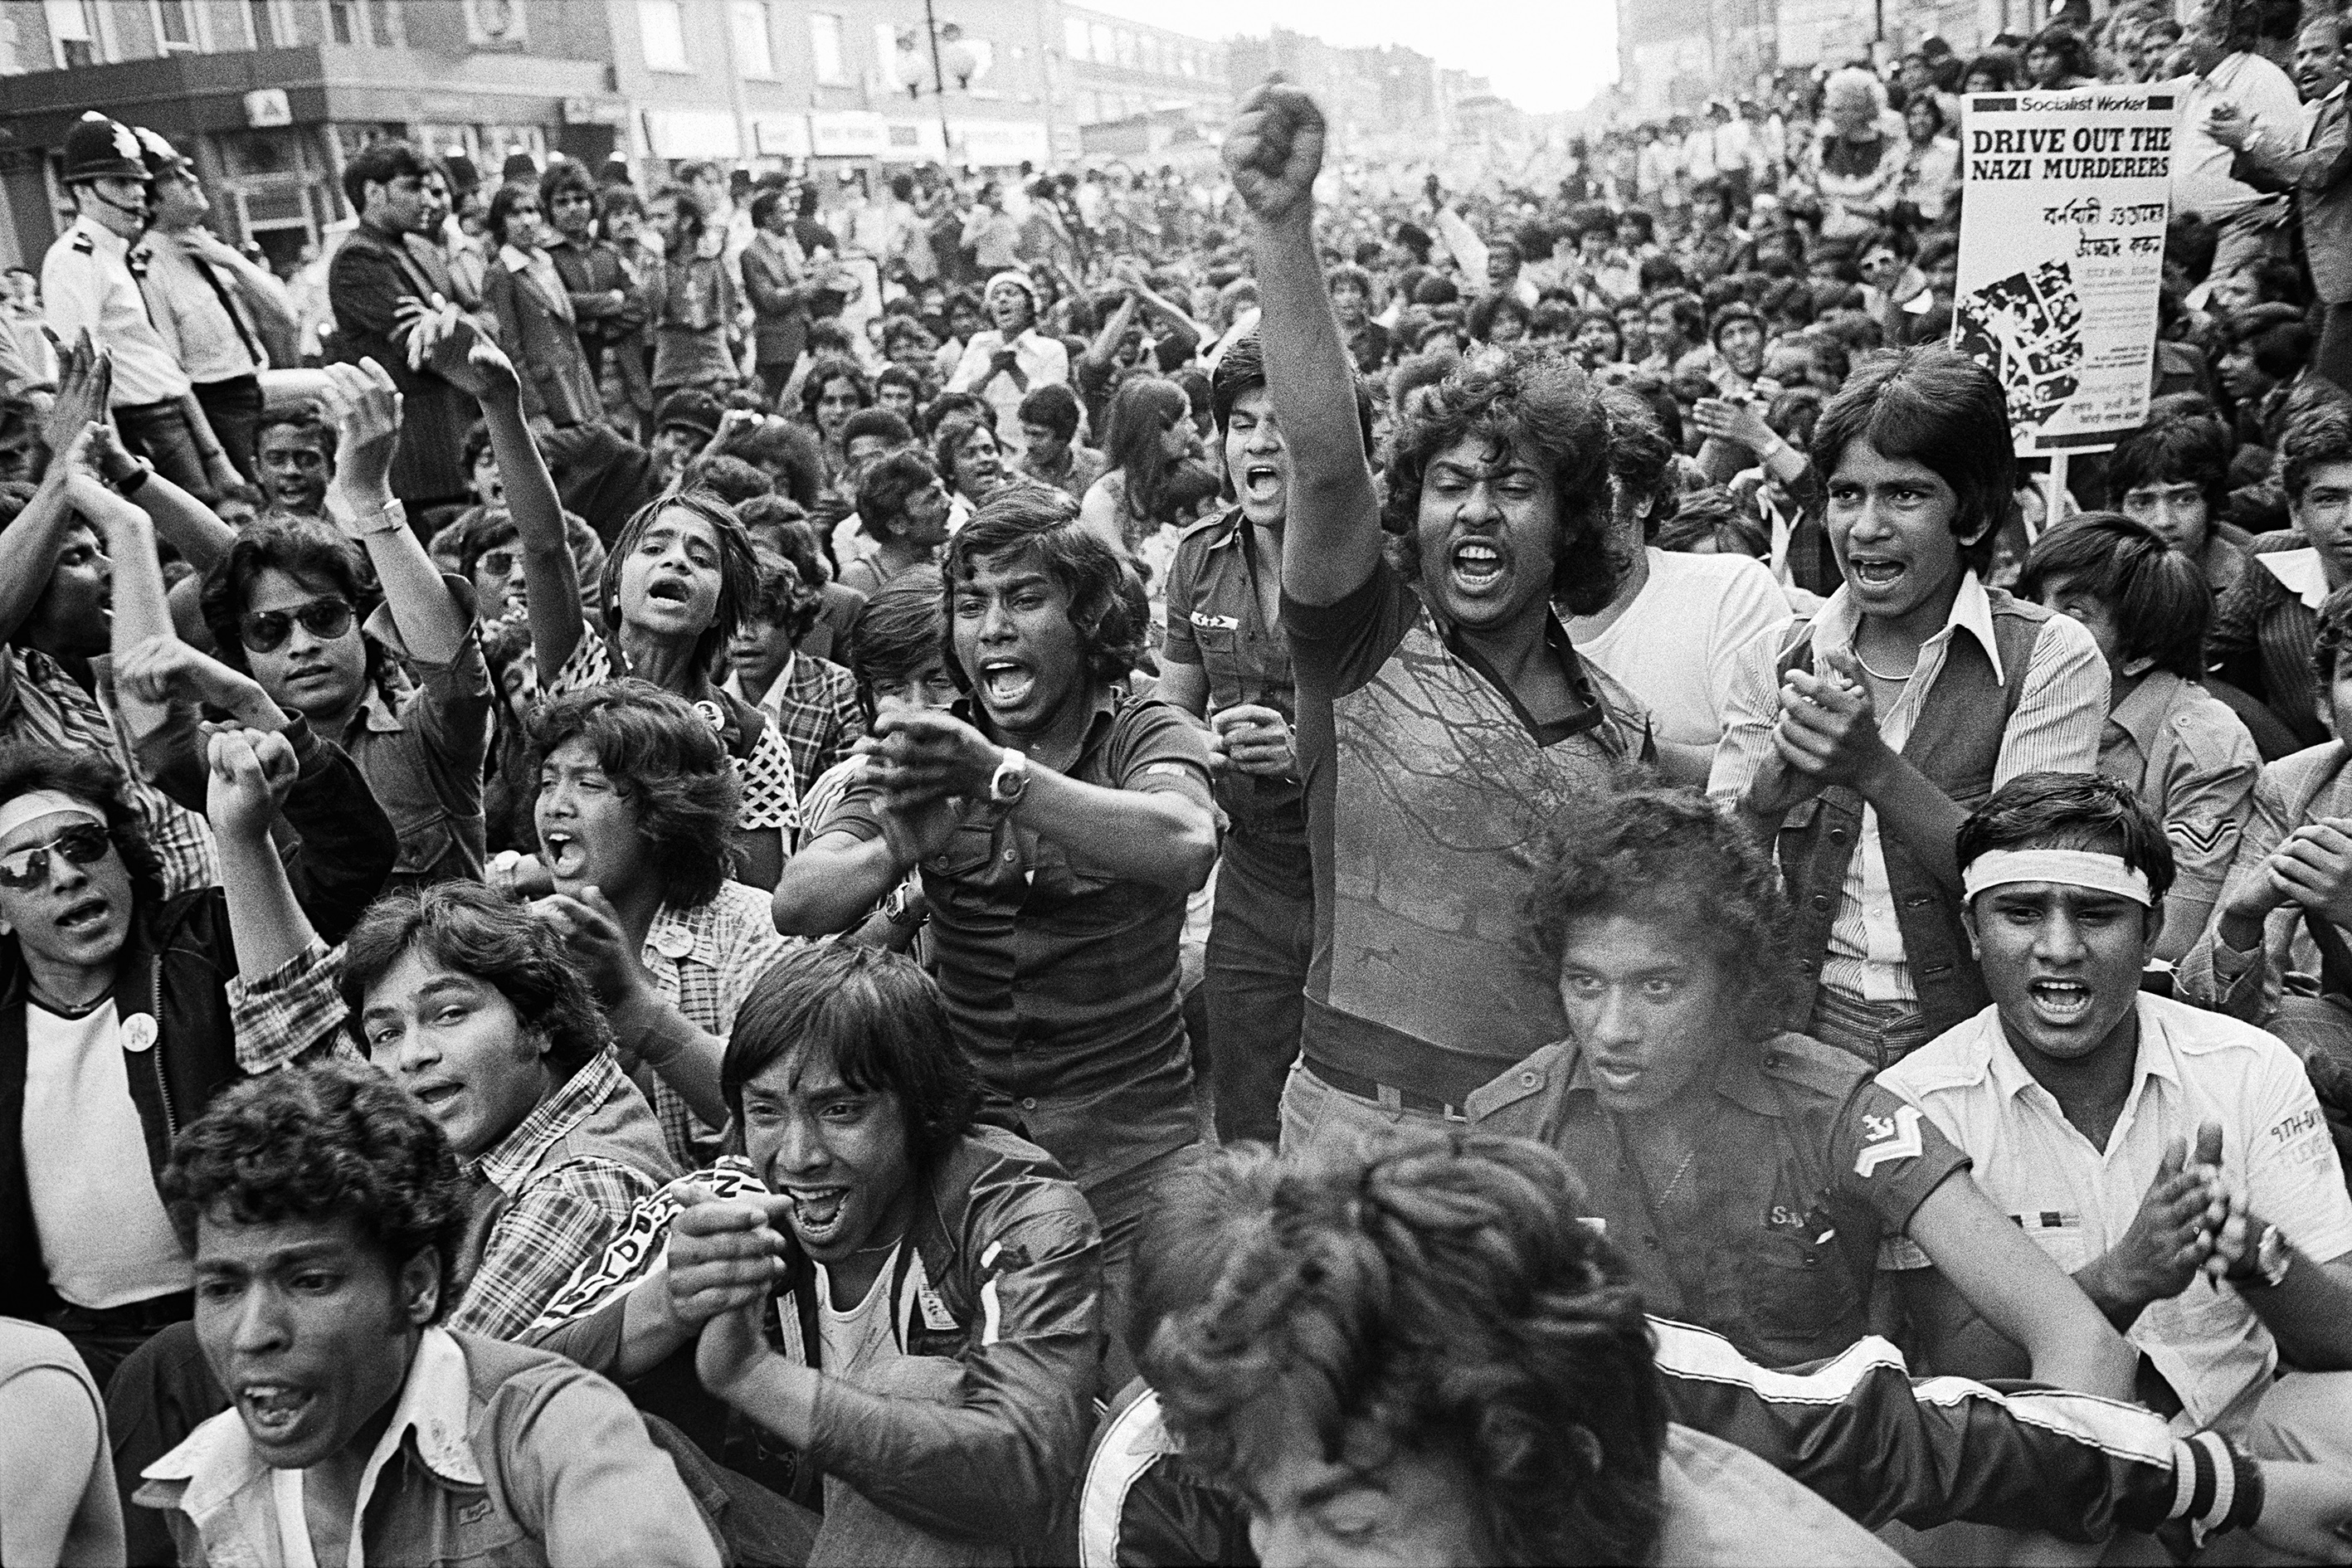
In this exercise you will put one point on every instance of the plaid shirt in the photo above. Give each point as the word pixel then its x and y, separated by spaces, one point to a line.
pixel 41 703
pixel 562 1214
pixel 293 1007
pixel 704 961
pixel 770 799
pixel 813 702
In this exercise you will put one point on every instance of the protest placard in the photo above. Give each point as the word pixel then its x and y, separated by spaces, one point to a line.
pixel 2062 251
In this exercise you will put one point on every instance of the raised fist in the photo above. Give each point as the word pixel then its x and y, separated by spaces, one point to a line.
pixel 1274 151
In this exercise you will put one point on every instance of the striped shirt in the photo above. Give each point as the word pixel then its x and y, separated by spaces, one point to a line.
pixel 2056 729
pixel 40 703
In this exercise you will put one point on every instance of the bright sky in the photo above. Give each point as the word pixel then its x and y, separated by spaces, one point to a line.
pixel 1543 56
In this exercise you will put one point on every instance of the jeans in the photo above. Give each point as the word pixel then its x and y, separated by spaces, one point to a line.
pixel 233 408
pixel 159 432
pixel 1260 941
pixel 1121 1203
pixel 1317 1116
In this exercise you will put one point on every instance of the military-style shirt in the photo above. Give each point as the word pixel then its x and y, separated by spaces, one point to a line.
pixel 1772 1236
pixel 86 282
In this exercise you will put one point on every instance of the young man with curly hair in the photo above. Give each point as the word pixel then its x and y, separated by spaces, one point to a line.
pixel 324 1210
pixel 1443 718
pixel 1059 824
pixel 1664 926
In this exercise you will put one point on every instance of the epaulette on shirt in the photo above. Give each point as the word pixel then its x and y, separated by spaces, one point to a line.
pixel 1807 1062
pixel 84 246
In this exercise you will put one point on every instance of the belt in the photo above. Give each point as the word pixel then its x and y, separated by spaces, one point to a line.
pixel 1389 1096
pixel 155 1312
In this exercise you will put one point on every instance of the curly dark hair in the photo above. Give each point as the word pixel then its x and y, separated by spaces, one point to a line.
pixel 464 927
pixel 1435 1286
pixel 738 569
pixel 95 777
pixel 825 372
pixel 311 551
pixel 1674 856
pixel 336 1140
pixel 898 632
pixel 1640 459
pixel 2320 436
pixel 665 760
pixel 886 488
pixel 881 1019
pixel 1105 597
pixel 2069 811
pixel 1533 399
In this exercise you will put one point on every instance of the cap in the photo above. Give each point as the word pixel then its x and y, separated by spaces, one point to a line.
pixel 159 156
pixel 691 408
pixel 519 166
pixel 98 148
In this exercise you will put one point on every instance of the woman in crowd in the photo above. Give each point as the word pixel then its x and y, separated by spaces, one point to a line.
pixel 1150 434
pixel 834 389
pixel 536 321
pixel 1931 162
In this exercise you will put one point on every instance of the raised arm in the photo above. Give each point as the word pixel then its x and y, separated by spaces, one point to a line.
pixel 365 407
pixel 251 776
pixel 1331 539
pixel 445 342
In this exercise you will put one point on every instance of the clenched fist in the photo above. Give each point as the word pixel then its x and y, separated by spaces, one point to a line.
pixel 1274 151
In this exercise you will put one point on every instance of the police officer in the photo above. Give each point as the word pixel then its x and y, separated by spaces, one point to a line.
pixel 89 283
pixel 205 300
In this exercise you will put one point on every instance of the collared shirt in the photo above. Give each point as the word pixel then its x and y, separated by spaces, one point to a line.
pixel 769 797
pixel 2194 766
pixel 88 283
pixel 1081 467
pixel 561 1213
pixel 1216 620
pixel 196 313
pixel 1772 1238
pixel 539 268
pixel 2201 165
pixel 2077 1201
pixel 422 752
pixel 494 1453
pixel 2266 628
pixel 2056 728
pixel 41 703
pixel 813 703
pixel 1060 975
pixel 704 961
pixel 1037 361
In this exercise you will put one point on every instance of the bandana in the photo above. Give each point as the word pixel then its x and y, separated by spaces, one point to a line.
pixel 2074 868
pixel 40 803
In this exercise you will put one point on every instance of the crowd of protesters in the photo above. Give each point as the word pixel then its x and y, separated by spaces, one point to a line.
pixel 1289 867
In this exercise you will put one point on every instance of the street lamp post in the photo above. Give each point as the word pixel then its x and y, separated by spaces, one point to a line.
pixel 939 80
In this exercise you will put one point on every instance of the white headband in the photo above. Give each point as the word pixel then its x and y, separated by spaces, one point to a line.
pixel 36 803
pixel 2076 868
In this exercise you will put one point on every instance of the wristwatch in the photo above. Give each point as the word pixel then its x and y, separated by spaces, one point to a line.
pixel 357 524
pixel 1010 781
pixel 128 482
pixel 2272 1258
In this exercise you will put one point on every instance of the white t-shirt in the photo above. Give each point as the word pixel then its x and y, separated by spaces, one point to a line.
pixel 852 1342
pixel 1676 647
pixel 2077 1201
pixel 104 1234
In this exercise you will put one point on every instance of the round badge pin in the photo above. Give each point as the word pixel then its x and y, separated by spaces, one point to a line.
pixel 673 942
pixel 138 1032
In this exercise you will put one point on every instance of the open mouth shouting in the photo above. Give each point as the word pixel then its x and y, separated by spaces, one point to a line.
pixel 1478 567
pixel 1005 683
pixel 1261 482
pixel 273 1412
pixel 83 918
pixel 2060 1003
pixel 818 1215
pixel 1875 574
pixel 566 855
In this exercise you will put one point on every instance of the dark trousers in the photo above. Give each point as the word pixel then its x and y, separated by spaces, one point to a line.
pixel 234 409
pixel 2333 357
pixel 1261 939
pixel 159 432
pixel 161 1392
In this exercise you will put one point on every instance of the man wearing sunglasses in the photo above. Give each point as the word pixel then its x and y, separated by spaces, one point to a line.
pixel 123 1012
pixel 287 603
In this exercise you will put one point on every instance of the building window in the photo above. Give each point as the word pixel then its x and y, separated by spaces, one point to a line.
pixel 1126 48
pixel 661 27
pixel 262 26
pixel 825 49
pixel 384 28
pixel 1074 36
pixel 175 25
pixel 1103 53
pixel 753 54
pixel 74 32
pixel 12 36
pixel 343 21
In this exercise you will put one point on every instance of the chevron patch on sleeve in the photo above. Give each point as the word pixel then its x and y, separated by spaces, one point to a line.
pixel 1891 1138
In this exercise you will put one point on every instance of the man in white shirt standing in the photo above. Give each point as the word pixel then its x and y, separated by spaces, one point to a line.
pixel 2175 1162
pixel 205 300
pixel 2219 49
pixel 89 284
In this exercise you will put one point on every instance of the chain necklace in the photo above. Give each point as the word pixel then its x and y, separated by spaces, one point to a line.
pixel 1855 648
